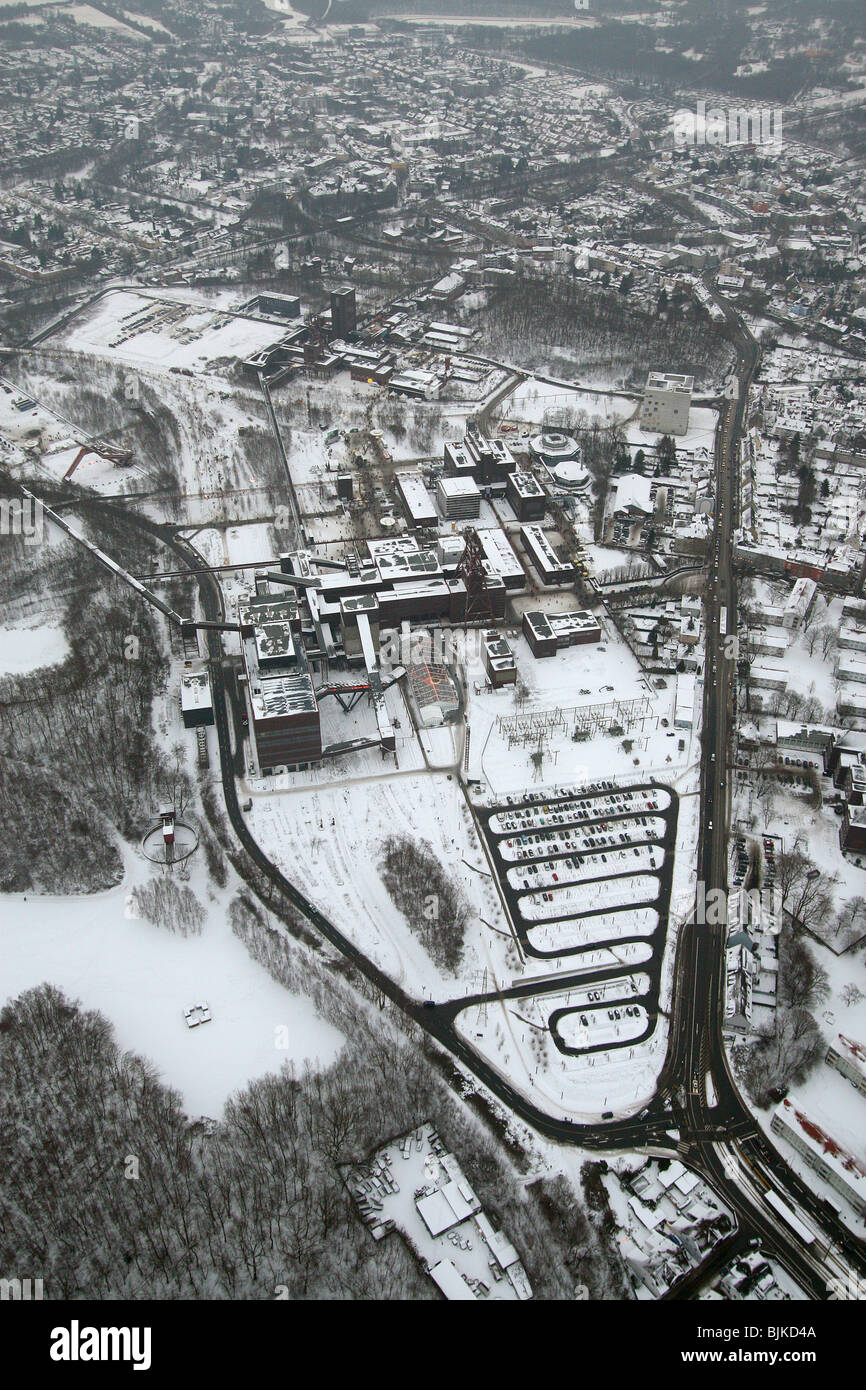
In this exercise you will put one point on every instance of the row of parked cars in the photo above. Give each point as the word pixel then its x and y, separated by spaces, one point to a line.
pixel 742 860
pixel 770 858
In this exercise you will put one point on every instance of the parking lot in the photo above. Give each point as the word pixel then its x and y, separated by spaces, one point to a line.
pixel 590 871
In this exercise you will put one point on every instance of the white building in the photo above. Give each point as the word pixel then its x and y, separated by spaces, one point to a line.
pixel 458 499
pixel 851 669
pixel 416 500
pixel 684 710
pixel 764 676
pixel 822 1151
pixel 848 1057
pixel 798 603
pixel 667 399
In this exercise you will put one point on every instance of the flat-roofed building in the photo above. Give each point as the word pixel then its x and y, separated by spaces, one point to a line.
pixel 498 660
pixel 500 559
pixel 550 568
pixel 344 313
pixel 526 495
pixel 196 699
pixel 548 633
pixel 684 706
pixel 285 720
pixel 488 461
pixel 852 831
pixel 417 502
pixel 667 400
pixel 458 498
pixel 284 306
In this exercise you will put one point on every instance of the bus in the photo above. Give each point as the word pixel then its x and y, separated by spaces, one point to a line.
pixel 723 620
pixel 788 1215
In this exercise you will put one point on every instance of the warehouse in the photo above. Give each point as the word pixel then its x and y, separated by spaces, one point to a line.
pixel 500 559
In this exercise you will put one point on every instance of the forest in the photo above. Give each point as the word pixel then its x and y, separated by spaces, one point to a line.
pixel 111 1191
pixel 78 760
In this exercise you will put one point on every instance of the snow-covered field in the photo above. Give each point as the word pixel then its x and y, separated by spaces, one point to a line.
pixel 329 842
pixel 142 330
pixel 25 649
pixel 701 432
pixel 538 401
pixel 143 978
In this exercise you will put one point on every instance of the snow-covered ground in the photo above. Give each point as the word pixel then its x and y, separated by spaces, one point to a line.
pixel 328 841
pixel 786 813
pixel 514 1038
pixel 539 401
pixel 25 649
pixel 139 329
pixel 143 977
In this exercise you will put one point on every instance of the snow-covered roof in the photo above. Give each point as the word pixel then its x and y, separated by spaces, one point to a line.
pixel 633 494
pixel 451 1281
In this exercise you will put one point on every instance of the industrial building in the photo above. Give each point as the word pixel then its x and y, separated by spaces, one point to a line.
pixel 488 461
pixel 196 700
pixel 281 702
pixel 548 633
pixel 417 502
pixel 667 400
pixel 526 495
pixel 458 499
pixel 344 313
pixel 544 558
pixel 498 660
pixel 284 306
pixel 285 721
pixel 500 559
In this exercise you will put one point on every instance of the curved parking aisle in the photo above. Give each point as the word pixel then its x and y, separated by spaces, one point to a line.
pixel 605 1027
pixel 597 866
pixel 573 810
pixel 621 891
pixel 616 831
pixel 592 930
